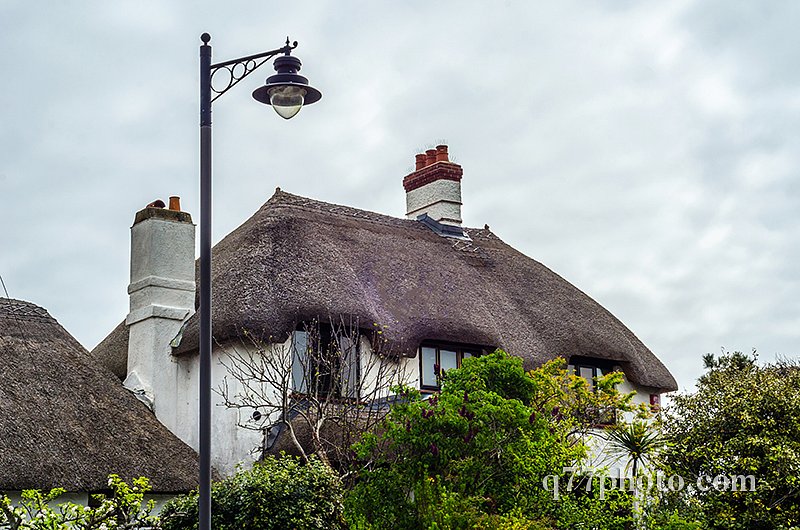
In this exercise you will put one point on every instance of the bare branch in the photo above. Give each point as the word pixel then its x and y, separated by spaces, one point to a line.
pixel 324 385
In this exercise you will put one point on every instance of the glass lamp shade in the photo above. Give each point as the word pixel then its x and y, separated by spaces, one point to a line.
pixel 287 91
pixel 287 100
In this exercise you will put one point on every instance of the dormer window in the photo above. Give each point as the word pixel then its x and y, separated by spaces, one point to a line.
pixel 590 369
pixel 437 358
pixel 588 372
pixel 325 362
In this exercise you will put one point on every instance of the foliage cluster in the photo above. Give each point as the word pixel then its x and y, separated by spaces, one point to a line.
pixel 277 493
pixel 744 419
pixel 123 509
pixel 475 455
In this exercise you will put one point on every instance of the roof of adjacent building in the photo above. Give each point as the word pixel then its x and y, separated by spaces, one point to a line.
pixel 298 258
pixel 67 422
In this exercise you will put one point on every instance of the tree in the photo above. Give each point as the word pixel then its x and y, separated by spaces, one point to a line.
pixel 638 443
pixel 477 453
pixel 325 386
pixel 277 493
pixel 743 420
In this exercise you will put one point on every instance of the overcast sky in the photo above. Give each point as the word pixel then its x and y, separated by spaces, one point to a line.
pixel 648 152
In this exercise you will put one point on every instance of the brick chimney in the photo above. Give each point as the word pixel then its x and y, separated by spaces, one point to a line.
pixel 434 188
pixel 162 293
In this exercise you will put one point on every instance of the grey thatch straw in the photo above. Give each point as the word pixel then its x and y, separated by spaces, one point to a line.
pixel 299 258
pixel 67 422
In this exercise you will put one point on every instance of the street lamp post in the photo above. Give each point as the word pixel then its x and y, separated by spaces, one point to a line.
pixel 287 92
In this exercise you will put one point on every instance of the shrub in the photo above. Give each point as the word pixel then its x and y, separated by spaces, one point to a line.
pixel 743 420
pixel 277 493
pixel 123 509
pixel 475 454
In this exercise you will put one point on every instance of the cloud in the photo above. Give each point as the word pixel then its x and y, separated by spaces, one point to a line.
pixel 646 152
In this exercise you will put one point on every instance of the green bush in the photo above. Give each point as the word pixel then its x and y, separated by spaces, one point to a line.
pixel 674 521
pixel 743 420
pixel 278 493
pixel 125 508
pixel 475 454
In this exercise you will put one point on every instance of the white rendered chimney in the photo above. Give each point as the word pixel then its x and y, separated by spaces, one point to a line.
pixel 434 188
pixel 162 294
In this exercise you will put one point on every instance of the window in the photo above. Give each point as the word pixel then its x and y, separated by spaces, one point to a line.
pixel 590 369
pixel 587 372
pixel 436 359
pixel 325 362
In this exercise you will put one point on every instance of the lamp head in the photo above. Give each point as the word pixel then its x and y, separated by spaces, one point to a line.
pixel 287 91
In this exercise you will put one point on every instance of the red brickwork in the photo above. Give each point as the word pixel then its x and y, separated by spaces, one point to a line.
pixel 431 166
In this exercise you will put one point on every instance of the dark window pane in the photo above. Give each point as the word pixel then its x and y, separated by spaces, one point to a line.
pixel 448 359
pixel 299 360
pixel 428 360
pixel 349 369
pixel 588 373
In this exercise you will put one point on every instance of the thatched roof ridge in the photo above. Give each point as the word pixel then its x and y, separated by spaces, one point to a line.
pixel 67 422
pixel 298 258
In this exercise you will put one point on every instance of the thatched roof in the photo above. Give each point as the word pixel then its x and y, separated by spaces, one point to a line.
pixel 66 422
pixel 113 351
pixel 298 258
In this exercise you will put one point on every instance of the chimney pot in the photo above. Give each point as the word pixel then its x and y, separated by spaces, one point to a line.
pixel 175 203
pixel 434 189
pixel 158 203
pixel 430 157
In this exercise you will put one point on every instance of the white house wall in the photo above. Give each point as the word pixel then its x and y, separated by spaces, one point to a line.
pixel 232 444
pixel 81 498
pixel 599 455
pixel 401 370
pixel 642 396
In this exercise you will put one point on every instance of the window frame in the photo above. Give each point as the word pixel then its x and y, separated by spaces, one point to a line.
pixel 599 367
pixel 597 371
pixel 460 349
pixel 329 383
pixel 599 418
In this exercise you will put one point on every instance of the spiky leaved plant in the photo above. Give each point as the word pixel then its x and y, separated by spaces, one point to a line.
pixel 638 444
